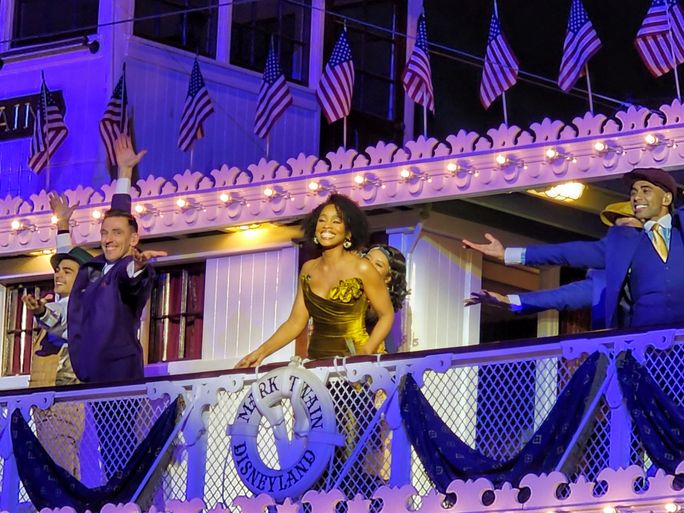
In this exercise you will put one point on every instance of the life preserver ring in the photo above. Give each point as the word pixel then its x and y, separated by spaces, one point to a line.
pixel 303 459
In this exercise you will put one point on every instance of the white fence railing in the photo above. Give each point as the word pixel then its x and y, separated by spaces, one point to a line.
pixel 493 397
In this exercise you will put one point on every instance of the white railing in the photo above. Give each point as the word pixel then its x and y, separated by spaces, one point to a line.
pixel 493 397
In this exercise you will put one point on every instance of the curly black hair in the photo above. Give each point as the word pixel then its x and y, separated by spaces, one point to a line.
pixel 397 268
pixel 355 221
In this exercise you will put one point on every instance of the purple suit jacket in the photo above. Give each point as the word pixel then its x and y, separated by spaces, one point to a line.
pixel 104 317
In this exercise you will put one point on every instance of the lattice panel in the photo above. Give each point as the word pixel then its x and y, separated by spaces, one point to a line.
pixel 596 454
pixel 170 480
pixel 222 483
pixel 93 440
pixel 667 369
pixel 496 408
pixel 355 407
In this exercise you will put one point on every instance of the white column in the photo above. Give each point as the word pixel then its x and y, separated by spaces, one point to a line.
pixel 316 47
pixel 223 32
pixel 547 321
pixel 7 7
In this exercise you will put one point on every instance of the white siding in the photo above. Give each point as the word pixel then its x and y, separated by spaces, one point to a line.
pixel 247 297
pixel 441 275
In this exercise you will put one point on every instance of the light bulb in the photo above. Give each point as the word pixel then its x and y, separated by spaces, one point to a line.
pixel 651 139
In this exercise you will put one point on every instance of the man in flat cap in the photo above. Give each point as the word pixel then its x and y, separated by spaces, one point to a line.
pixel 52 316
pixel 646 267
pixel 60 427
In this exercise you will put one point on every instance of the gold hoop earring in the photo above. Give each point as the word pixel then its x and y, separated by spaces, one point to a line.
pixel 346 244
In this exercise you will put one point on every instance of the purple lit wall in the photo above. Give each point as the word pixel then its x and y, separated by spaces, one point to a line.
pixel 157 78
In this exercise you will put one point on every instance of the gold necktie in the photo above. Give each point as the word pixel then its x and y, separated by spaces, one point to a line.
pixel 659 241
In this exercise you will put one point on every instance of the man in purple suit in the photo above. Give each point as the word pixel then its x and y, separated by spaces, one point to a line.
pixel 103 316
pixel 110 291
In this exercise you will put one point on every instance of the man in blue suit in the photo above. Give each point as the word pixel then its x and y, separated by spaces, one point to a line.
pixel 577 295
pixel 645 266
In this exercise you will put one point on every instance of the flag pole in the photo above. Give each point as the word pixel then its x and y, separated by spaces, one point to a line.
pixel 268 145
pixel 425 121
pixel 672 56
pixel 192 157
pixel 424 113
pixel 344 132
pixel 43 101
pixel 591 98
pixel 505 108
pixel 503 94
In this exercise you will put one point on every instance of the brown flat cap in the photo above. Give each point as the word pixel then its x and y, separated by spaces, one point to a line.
pixel 654 175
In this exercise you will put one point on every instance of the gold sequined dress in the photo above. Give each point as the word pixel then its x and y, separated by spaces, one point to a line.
pixel 337 319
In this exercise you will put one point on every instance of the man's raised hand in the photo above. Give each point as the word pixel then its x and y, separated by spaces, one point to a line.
pixel 126 157
pixel 61 209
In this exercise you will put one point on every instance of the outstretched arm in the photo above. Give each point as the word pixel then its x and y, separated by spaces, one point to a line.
pixel 488 297
pixel 286 333
pixel 493 248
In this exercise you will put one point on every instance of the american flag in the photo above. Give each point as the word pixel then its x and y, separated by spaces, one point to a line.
pixel 197 108
pixel 114 121
pixel 581 43
pixel 49 130
pixel 500 68
pixel 335 89
pixel 662 26
pixel 274 96
pixel 417 77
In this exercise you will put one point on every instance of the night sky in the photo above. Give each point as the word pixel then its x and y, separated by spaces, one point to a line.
pixel 535 29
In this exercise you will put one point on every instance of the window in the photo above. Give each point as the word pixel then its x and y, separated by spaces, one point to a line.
pixel 378 49
pixel 186 24
pixel 43 21
pixel 177 313
pixel 255 22
pixel 20 329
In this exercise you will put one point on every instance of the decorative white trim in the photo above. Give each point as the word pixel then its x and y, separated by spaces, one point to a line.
pixel 371 177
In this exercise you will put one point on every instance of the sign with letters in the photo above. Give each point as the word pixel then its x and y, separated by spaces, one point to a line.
pixel 302 458
pixel 17 115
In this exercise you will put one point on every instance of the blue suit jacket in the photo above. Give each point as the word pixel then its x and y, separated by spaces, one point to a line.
pixel 586 293
pixel 613 253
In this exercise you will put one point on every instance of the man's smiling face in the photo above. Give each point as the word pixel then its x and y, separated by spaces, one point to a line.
pixel 649 201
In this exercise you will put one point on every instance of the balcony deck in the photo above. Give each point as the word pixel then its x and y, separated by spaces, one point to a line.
pixel 493 397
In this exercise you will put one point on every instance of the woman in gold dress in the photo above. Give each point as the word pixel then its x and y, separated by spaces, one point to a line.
pixel 334 289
